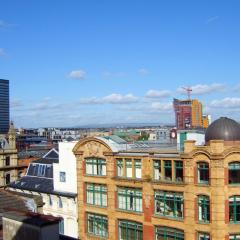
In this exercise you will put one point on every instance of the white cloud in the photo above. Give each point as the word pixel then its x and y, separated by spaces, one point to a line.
pixel 226 103
pixel 16 103
pixel 212 19
pixel 201 89
pixel 114 98
pixel 77 74
pixel 143 71
pixel 157 94
pixel 162 106
pixel 108 74
pixel 2 52
pixel 3 24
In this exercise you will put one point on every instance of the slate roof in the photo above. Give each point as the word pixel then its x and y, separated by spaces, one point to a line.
pixel 37 184
pixel 10 201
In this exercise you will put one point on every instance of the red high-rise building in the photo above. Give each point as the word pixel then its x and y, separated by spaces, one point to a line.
pixel 188 113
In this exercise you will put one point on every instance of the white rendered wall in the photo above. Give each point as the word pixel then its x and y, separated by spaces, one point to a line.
pixel 67 164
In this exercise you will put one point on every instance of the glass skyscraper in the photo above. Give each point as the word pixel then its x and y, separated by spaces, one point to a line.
pixel 4 106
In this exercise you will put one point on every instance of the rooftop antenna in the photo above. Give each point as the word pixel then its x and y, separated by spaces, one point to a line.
pixel 188 90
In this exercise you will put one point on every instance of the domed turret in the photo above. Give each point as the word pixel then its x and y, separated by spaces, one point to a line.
pixel 223 129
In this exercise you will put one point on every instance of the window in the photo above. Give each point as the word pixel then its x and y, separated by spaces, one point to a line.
pixel 61 227
pixel 119 167
pixel 129 169
pixel 130 199
pixel 60 204
pixel 50 200
pixel 7 161
pixel 165 233
pixel 97 225
pixel 203 209
pixel 234 237
pixel 96 167
pixel 138 168
pixel 157 169
pixel 168 170
pixel 203 173
pixel 234 173
pixel 169 204
pixel 7 178
pixel 41 170
pixel 179 171
pixel 234 209
pixel 130 230
pixel 203 236
pixel 62 176
pixel 96 194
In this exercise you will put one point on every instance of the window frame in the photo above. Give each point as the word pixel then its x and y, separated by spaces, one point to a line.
pixel 201 166
pixel 205 205
pixel 103 221
pixel 126 195
pixel 99 163
pixel 130 225
pixel 162 197
pixel 234 168
pixel 234 204
pixel 167 167
pixel 177 167
pixel 206 236
pixel 169 232
pixel 92 188
pixel 62 176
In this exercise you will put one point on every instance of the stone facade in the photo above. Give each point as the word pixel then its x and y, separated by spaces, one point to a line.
pixel 216 155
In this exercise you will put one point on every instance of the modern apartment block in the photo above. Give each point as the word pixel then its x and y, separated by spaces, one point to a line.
pixel 188 113
pixel 4 106
pixel 158 193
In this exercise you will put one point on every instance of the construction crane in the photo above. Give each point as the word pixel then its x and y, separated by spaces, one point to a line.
pixel 188 90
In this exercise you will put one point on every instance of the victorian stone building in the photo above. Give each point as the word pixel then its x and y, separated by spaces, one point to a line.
pixel 161 194
pixel 10 170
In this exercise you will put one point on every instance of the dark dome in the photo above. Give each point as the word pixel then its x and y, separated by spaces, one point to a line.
pixel 223 129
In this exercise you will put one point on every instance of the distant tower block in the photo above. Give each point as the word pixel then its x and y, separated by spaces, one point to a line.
pixel 4 106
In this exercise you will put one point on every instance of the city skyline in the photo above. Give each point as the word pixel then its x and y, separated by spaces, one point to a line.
pixel 93 62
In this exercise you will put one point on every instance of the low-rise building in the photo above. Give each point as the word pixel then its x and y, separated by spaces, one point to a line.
pixel 53 186
pixel 159 193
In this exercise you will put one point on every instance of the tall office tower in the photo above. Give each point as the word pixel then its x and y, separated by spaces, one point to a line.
pixel 4 106
pixel 188 113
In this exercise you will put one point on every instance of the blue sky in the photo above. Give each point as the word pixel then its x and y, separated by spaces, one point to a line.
pixel 100 61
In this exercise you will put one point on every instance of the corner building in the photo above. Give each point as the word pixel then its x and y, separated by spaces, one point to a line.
pixel 161 194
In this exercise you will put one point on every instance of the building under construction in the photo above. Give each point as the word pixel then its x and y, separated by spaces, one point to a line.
pixel 188 113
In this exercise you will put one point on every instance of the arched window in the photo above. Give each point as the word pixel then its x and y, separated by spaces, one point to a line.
pixel 234 173
pixel 203 209
pixel 203 172
pixel 234 209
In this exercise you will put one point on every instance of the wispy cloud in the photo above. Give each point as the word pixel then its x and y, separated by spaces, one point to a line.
pixel 201 89
pixel 4 24
pixel 157 94
pixel 143 71
pixel 2 52
pixel 162 106
pixel 212 19
pixel 109 74
pixel 113 98
pixel 229 102
pixel 16 103
pixel 77 74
